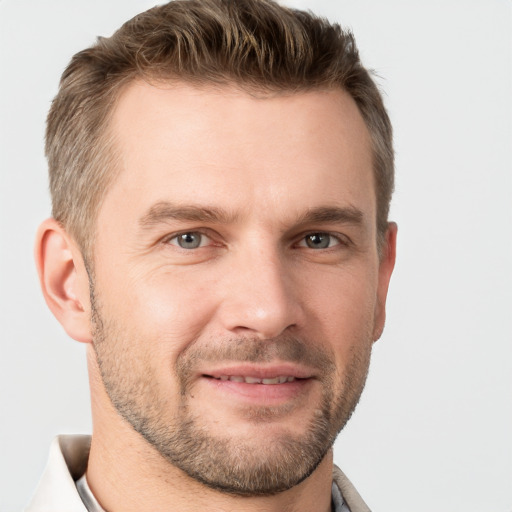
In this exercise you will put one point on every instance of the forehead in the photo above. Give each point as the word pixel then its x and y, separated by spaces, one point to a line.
pixel 225 147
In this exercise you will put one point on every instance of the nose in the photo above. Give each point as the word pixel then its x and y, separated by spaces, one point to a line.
pixel 261 296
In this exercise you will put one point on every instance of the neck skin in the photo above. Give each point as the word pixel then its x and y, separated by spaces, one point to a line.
pixel 125 473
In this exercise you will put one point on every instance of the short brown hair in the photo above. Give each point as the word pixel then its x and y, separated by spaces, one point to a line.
pixel 255 44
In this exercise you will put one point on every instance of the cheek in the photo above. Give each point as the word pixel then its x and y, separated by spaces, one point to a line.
pixel 167 311
pixel 344 309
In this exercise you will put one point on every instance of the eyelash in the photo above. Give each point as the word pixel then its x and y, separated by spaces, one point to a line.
pixel 169 239
pixel 340 240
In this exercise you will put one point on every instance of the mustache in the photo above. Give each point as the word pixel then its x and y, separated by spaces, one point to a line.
pixel 283 348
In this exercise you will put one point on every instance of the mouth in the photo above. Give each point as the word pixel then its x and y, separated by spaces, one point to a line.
pixel 267 381
pixel 264 384
pixel 270 374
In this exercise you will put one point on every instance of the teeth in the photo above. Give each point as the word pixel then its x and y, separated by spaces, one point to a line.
pixel 255 380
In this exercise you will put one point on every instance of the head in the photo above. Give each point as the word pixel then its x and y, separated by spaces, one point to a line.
pixel 260 46
pixel 221 174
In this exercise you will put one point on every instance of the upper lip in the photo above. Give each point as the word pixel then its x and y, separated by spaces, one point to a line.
pixel 260 371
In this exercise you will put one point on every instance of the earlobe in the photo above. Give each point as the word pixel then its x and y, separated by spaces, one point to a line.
pixel 63 279
pixel 386 266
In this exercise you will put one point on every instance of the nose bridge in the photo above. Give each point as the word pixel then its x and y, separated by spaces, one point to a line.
pixel 261 296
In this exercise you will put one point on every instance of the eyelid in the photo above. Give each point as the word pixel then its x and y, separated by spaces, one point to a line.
pixel 342 239
pixel 205 234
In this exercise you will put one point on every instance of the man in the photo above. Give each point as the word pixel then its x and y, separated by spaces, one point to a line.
pixel 220 173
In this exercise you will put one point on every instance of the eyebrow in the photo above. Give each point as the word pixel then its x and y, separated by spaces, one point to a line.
pixel 332 214
pixel 164 211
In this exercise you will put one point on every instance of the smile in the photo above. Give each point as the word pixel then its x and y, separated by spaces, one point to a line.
pixel 282 379
pixel 257 385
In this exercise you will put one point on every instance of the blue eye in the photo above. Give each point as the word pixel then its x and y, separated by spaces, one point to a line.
pixel 320 240
pixel 189 240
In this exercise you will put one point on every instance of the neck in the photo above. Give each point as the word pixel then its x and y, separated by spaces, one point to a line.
pixel 126 473
pixel 127 480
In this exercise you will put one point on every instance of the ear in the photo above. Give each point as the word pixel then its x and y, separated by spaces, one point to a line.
pixel 64 280
pixel 386 266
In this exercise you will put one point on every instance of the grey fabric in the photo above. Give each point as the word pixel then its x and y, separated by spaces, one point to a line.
pixel 90 502
pixel 338 503
pixel 350 495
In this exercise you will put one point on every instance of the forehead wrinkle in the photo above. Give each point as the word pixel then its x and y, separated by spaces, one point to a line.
pixel 164 211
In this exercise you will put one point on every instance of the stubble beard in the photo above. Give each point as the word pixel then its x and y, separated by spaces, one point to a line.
pixel 234 465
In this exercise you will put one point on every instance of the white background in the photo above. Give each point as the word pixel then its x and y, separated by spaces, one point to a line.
pixel 433 431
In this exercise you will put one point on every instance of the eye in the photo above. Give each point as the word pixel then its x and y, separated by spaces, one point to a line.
pixel 189 240
pixel 319 241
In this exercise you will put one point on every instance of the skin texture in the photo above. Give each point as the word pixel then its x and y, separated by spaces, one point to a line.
pixel 286 281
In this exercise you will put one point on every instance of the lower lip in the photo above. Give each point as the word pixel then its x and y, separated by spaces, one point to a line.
pixel 264 393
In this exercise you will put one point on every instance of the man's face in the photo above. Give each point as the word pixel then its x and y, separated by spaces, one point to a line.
pixel 237 285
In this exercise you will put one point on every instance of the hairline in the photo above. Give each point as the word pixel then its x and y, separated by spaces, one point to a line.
pixel 110 153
